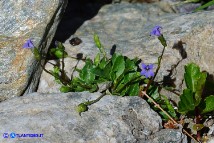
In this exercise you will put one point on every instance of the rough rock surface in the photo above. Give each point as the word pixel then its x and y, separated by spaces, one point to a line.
pixel 113 119
pixel 19 21
pixel 127 27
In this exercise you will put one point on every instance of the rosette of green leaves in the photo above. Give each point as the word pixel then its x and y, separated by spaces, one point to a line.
pixel 122 72
pixel 119 70
pixel 86 80
pixel 192 98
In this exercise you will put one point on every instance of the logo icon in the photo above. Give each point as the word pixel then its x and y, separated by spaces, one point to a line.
pixel 12 135
pixel 5 135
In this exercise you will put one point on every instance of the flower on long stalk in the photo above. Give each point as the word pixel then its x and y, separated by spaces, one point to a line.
pixel 147 70
pixel 28 44
pixel 156 31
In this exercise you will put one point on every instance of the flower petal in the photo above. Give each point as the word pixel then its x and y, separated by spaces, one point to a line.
pixel 143 66
pixel 156 31
pixel 150 66
pixel 28 44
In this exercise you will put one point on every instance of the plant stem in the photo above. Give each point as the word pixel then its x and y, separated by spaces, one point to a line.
pixel 159 62
pixel 158 106
pixel 96 100
pixel 197 121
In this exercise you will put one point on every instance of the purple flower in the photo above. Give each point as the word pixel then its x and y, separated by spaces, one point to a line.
pixel 147 70
pixel 28 44
pixel 156 31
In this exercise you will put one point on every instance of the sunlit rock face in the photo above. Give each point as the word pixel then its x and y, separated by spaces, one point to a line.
pixel 20 21
pixel 111 120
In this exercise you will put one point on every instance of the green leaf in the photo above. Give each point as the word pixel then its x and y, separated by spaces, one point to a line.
pixel 123 82
pixel 186 102
pixel 130 65
pixel 153 92
pixel 36 54
pixel 60 46
pixel 103 63
pixel 118 67
pixel 65 89
pixel 107 70
pixel 94 88
pixel 56 72
pixel 163 102
pixel 197 127
pixel 87 74
pixel 199 87
pixel 191 74
pixel 59 53
pixel 97 41
pixel 195 80
pixel 133 90
pixel 169 106
pixel 97 59
pixel 56 69
pixel 209 104
pixel 210 3
pixel 114 57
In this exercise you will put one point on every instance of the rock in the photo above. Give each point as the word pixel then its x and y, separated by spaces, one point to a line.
pixel 112 119
pixel 127 27
pixel 19 21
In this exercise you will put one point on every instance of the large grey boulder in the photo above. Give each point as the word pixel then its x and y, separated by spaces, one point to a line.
pixel 127 26
pixel 113 119
pixel 19 21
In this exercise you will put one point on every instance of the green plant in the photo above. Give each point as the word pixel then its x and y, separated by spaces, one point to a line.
pixel 120 71
pixel 204 4
pixel 192 102
pixel 123 77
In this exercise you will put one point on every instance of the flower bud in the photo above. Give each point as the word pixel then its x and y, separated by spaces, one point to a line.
pixel 81 108
pixel 162 40
pixel 97 41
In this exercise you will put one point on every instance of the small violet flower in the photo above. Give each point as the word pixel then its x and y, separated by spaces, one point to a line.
pixel 28 44
pixel 147 70
pixel 156 31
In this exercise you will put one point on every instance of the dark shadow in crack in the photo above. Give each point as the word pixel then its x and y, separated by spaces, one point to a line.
pixel 179 46
pixel 76 13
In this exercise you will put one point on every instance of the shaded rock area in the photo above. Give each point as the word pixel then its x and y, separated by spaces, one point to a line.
pixel 127 27
pixel 19 21
pixel 113 119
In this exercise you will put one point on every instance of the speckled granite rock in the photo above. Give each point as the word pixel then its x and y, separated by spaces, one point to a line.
pixel 127 26
pixel 19 21
pixel 113 119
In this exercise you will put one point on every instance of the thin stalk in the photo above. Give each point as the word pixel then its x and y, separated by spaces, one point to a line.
pixel 159 62
pixel 158 106
pixel 197 121
pixel 96 100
